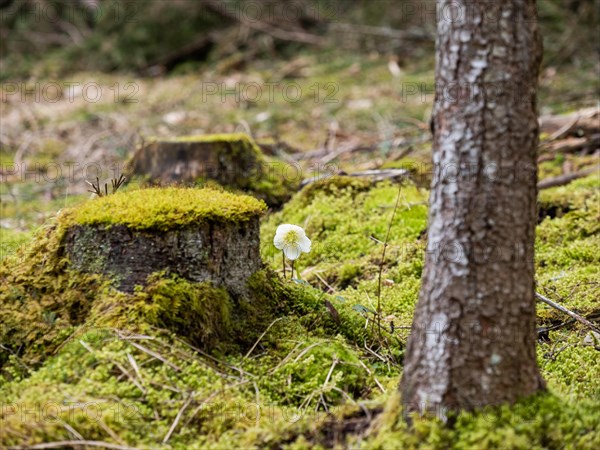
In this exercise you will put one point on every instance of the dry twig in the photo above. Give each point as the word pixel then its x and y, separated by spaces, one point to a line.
pixel 561 308
pixel 261 336
pixel 561 180
pixel 74 444
pixel 178 418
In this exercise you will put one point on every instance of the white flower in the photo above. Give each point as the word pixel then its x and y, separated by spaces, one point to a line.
pixel 292 240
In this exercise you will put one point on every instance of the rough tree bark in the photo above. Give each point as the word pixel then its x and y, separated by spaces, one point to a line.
pixel 226 254
pixel 230 159
pixel 473 338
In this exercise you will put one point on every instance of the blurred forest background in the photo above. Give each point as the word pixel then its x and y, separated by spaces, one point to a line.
pixel 53 38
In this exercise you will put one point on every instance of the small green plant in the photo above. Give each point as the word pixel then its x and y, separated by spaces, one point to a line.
pixel 115 182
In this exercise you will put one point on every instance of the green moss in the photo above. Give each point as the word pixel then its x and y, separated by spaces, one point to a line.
pixel 346 227
pixel 260 371
pixel 198 311
pixel 346 223
pixel 272 297
pixel 332 186
pixel 580 194
pixel 122 359
pixel 342 223
pixel 567 259
pixel 543 421
pixel 569 366
pixel 349 274
pixel 240 139
pixel 303 377
pixel 41 301
pixel 165 208
pixel 11 240
pixel 273 184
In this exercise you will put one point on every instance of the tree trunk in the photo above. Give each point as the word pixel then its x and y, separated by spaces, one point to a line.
pixel 473 338
pixel 226 254
pixel 233 160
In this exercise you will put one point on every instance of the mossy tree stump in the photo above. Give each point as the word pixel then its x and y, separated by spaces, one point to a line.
pixel 198 234
pixel 232 160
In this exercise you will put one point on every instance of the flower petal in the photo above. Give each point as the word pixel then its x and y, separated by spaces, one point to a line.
pixel 278 241
pixel 279 238
pixel 292 252
pixel 284 228
pixel 304 244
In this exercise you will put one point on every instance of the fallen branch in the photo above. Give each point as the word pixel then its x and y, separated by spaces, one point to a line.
pixel 375 175
pixel 344 148
pixel 559 125
pixel 381 174
pixel 561 180
pixel 562 131
pixel 572 144
pixel 561 308
pixel 542 332
pixel 75 444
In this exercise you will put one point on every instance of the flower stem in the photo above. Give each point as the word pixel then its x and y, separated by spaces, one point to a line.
pixel 293 268
pixel 385 243
pixel 283 260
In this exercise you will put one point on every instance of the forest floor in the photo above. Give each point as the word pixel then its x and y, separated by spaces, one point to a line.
pixel 321 112
pixel 322 374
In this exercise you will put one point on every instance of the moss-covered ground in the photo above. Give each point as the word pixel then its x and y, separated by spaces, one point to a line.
pixel 298 363
pixel 312 368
